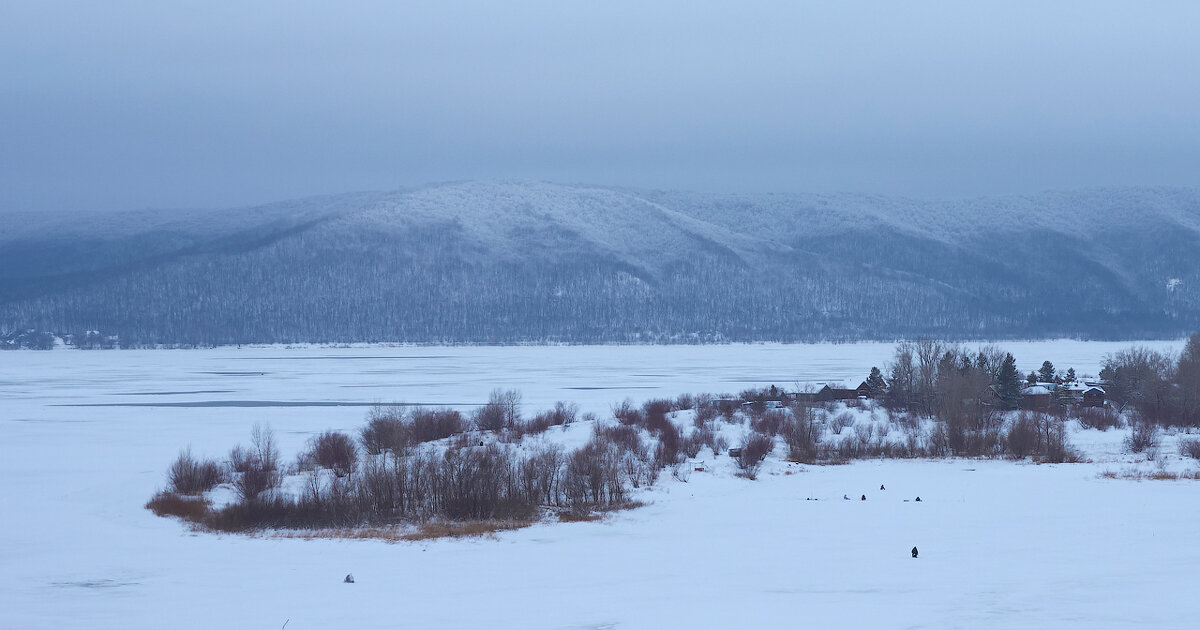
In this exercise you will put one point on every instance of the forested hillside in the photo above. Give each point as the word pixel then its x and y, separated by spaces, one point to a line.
pixel 517 262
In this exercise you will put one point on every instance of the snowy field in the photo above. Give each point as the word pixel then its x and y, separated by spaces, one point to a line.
pixel 86 438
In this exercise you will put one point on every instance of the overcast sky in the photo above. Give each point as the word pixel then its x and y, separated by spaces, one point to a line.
pixel 182 104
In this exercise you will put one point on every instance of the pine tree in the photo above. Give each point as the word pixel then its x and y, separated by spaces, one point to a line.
pixel 1008 383
pixel 1070 377
pixel 1046 373
pixel 1063 396
pixel 875 383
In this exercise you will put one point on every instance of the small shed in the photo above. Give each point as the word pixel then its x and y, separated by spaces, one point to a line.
pixel 1093 397
pixel 1035 398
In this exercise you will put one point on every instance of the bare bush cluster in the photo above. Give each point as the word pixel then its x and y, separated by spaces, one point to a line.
pixel 839 422
pixel 256 470
pixel 802 434
pixel 654 418
pixel 332 450
pixel 755 448
pixel 190 476
pixel 403 483
pixel 1189 447
pixel 1143 434
pixel 1097 418
pixel 502 411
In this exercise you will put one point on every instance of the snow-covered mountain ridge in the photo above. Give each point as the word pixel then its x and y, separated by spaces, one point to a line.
pixel 522 261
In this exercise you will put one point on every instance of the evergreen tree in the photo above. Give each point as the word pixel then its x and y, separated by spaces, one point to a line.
pixel 1046 373
pixel 1008 383
pixel 875 383
pixel 1070 377
pixel 1063 396
pixel 1187 381
pixel 1031 379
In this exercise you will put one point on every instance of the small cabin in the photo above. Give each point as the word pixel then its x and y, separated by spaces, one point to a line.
pixel 1092 397
pixel 829 394
pixel 1035 398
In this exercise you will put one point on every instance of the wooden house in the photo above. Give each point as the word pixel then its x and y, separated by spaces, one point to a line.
pixel 1092 397
pixel 829 394
pixel 1036 398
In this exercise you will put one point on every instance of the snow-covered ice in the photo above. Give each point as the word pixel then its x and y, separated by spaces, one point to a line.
pixel 1003 544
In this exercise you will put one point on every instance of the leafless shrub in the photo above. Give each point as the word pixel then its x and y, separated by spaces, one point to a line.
pixel 705 413
pixel 562 414
pixel 755 448
pixel 541 474
pixel 334 451
pixel 1057 449
pixel 802 435
pixel 539 423
pixel 864 433
pixel 627 438
pixel 260 470
pixel 565 413
pixel 262 439
pixel 1097 418
pixel 502 410
pixel 841 421
pixel 937 444
pixel 684 402
pixel 489 417
pixel 384 433
pixel 240 459
pixel 1143 434
pixel 592 478
pixel 254 482
pixel 1190 447
pixel 701 437
pixel 627 414
pixel 655 411
pixel 636 471
pixel 427 425
pixel 189 475
pixel 720 444
pixel 769 422
pixel 669 450
pixel 727 407
pixel 1022 438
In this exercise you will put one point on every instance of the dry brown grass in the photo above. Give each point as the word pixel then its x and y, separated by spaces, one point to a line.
pixel 427 531
pixel 386 534
pixel 191 509
pixel 573 517
pixel 468 529
pixel 1157 475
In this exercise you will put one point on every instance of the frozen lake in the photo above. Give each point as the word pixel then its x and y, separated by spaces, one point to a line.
pixel 594 376
pixel 87 436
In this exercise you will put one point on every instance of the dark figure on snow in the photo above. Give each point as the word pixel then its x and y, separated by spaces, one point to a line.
pixel 914 552
pixel 881 486
pixel 864 498
pixel 918 499
pixel 846 497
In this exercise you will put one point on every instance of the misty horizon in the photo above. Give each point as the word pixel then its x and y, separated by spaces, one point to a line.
pixel 137 105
